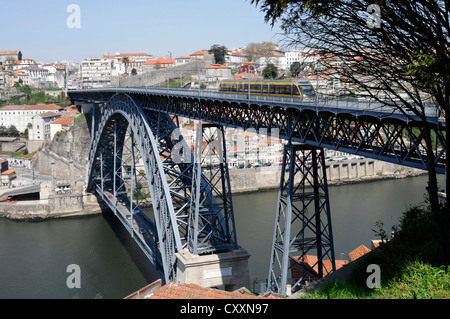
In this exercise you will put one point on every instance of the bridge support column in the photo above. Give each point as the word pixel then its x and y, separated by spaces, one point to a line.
pixel 229 269
pixel 302 240
pixel 211 219
pixel 212 257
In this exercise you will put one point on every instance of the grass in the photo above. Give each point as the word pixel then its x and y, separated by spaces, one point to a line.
pixel 410 264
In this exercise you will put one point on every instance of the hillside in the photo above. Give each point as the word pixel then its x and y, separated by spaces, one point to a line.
pixel 412 265
pixel 73 144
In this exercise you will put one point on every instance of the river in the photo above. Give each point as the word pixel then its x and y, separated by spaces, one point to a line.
pixel 34 256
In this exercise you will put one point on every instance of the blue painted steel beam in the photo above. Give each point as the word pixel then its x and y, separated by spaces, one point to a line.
pixel 304 123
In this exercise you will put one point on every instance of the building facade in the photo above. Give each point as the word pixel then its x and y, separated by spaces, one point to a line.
pixel 95 73
pixel 40 126
pixel 10 55
pixel 22 115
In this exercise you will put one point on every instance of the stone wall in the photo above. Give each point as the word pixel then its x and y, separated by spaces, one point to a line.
pixel 160 76
pixel 264 178
pixel 61 168
pixel 54 207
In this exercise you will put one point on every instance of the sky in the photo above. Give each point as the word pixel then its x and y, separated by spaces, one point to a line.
pixel 50 31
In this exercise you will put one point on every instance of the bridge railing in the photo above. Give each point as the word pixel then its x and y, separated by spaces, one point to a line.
pixel 321 101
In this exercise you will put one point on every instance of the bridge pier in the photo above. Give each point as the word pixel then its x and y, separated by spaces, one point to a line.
pixel 229 269
pixel 303 222
pixel 211 217
pixel 212 257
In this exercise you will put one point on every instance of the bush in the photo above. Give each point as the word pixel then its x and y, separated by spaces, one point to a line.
pixel 409 264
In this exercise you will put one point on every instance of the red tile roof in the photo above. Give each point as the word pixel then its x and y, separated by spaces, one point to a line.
pixel 63 121
pixel 161 61
pixel 217 66
pixel 132 54
pixel 241 76
pixel 310 261
pixel 193 291
pixel 9 52
pixel 201 52
pixel 31 107
pixel 358 252
pixel 8 171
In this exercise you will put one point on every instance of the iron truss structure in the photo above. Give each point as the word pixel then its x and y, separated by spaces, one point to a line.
pixel 139 159
pixel 142 168
pixel 303 221
pixel 376 133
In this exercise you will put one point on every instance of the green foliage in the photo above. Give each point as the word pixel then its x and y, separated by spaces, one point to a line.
pixel 10 131
pixel 219 53
pixel 424 67
pixel 270 71
pixel 410 264
pixel 295 69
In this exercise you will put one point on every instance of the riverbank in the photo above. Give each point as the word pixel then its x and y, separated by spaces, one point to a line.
pixel 63 206
pixel 338 173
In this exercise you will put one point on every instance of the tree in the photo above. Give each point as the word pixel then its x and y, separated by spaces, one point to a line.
pixel 396 52
pixel 295 69
pixel 255 50
pixel 12 131
pixel 270 71
pixel 219 52
pixel 126 61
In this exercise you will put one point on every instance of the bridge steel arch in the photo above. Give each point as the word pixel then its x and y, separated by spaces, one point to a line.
pixel 120 111
pixel 169 182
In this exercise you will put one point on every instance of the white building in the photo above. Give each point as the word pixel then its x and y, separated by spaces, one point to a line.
pixel 303 56
pixel 60 124
pixel 278 60
pixel 13 65
pixel 235 58
pixel 22 75
pixel 135 61
pixel 183 60
pixel 36 73
pixel 22 115
pixel 40 126
pixel 95 72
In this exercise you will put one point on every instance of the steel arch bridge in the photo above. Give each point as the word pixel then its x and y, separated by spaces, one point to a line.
pixel 143 169
pixel 131 148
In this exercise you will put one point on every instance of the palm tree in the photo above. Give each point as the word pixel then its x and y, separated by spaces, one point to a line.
pixel 126 61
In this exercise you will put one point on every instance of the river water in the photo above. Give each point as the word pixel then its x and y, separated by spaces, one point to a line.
pixel 34 257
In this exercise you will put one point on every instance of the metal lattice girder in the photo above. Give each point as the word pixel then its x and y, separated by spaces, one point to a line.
pixel 378 133
pixel 120 112
pixel 211 224
pixel 303 222
pixel 382 136
pixel 178 160
pixel 140 159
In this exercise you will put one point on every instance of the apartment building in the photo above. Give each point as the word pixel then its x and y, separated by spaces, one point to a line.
pixel 40 126
pixel 22 115
pixel 303 56
pixel 95 73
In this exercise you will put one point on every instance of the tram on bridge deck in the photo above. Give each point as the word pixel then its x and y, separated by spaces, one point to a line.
pixel 284 88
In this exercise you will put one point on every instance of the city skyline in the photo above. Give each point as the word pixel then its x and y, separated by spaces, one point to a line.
pixel 43 30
